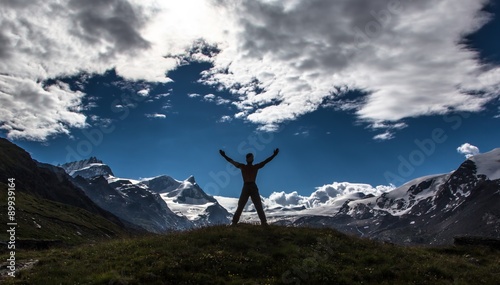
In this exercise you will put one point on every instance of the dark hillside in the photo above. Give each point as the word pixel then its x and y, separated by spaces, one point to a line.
pixel 42 223
pixel 249 254
pixel 48 205
pixel 44 181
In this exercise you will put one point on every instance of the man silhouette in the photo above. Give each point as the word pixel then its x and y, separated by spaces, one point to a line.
pixel 250 189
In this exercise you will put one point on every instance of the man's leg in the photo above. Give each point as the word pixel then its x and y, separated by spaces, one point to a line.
pixel 241 204
pixel 254 194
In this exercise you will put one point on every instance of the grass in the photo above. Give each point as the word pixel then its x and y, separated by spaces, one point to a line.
pixel 48 220
pixel 250 254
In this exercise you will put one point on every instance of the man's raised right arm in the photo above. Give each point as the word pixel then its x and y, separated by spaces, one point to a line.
pixel 230 160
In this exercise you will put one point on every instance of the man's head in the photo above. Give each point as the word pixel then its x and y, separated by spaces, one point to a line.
pixel 249 157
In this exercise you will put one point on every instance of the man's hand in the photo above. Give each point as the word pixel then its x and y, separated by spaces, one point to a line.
pixel 276 151
pixel 222 152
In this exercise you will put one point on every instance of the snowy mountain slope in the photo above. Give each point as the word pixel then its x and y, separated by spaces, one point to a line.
pixel 327 200
pixel 401 200
pixel 189 200
pixel 157 204
pixel 161 184
pixel 430 210
pixel 128 199
pixel 132 202
pixel 487 164
pixel 87 168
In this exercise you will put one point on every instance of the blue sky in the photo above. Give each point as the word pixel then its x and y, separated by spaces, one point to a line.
pixel 386 98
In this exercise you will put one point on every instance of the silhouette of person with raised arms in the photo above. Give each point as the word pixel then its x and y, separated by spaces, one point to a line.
pixel 250 189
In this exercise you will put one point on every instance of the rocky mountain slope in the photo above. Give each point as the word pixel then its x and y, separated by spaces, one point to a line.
pixel 158 204
pixel 48 205
pixel 427 210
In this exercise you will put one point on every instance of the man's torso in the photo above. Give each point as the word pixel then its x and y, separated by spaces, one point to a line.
pixel 249 172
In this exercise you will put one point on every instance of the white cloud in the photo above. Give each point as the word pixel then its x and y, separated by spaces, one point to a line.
pixel 216 99
pixel 144 92
pixel 225 119
pixel 156 116
pixel 209 97
pixel 41 40
pixel 38 112
pixel 408 58
pixel 302 132
pixel 162 95
pixel 468 150
pixel 387 135
pixel 281 59
pixel 287 199
pixel 324 195
pixel 345 188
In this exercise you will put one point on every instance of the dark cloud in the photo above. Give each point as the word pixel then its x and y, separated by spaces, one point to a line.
pixel 4 46
pixel 16 3
pixel 403 54
pixel 115 21
pixel 318 27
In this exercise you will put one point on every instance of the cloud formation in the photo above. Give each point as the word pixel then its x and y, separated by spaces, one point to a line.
pixel 45 40
pixel 156 116
pixel 286 58
pixel 323 195
pixel 468 150
pixel 281 59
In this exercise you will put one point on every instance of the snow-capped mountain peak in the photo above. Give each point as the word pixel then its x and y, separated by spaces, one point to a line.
pixel 191 179
pixel 430 209
pixel 161 184
pixel 488 164
pixel 87 168
pixel 189 192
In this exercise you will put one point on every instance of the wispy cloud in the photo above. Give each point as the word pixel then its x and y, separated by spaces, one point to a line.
pixel 225 119
pixel 389 129
pixel 216 99
pixel 387 135
pixel 302 132
pixel 156 116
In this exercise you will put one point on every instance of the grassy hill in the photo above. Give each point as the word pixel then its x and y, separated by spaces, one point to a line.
pixel 48 205
pixel 42 219
pixel 250 254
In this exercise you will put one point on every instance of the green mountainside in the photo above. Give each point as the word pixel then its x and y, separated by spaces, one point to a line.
pixel 49 209
pixel 41 222
pixel 252 254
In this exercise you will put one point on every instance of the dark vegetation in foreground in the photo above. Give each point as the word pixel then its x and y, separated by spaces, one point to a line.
pixel 251 254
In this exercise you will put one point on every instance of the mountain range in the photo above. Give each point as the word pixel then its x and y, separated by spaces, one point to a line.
pixel 429 210
pixel 160 204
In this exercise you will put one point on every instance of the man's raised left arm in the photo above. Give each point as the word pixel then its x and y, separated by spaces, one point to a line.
pixel 275 153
